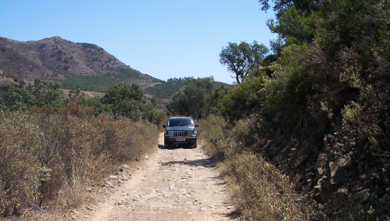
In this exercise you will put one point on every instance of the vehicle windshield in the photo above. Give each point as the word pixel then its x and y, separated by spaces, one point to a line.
pixel 180 122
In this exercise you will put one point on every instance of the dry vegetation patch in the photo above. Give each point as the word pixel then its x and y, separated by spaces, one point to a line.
pixel 48 159
pixel 261 191
pixel 87 94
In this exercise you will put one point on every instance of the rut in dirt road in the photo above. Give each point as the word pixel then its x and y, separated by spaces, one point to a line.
pixel 172 184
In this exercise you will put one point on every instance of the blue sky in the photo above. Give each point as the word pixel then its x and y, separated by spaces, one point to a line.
pixel 165 39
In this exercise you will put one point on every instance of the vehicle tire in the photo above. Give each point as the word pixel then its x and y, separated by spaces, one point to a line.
pixel 167 145
pixel 195 145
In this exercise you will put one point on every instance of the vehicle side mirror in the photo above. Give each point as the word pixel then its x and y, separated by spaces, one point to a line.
pixel 164 126
pixel 196 125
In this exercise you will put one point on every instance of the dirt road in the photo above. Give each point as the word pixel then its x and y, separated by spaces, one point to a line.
pixel 171 184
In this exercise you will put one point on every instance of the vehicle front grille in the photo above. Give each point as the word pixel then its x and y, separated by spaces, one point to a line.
pixel 180 133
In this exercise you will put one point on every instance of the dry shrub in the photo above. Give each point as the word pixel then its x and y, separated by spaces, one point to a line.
pixel 262 192
pixel 50 157
pixel 265 193
pixel 20 172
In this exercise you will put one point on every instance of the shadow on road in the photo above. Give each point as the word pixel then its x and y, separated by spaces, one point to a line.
pixel 208 162
pixel 235 214
pixel 177 147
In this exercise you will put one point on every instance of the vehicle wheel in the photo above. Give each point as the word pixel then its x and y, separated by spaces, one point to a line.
pixel 195 145
pixel 167 145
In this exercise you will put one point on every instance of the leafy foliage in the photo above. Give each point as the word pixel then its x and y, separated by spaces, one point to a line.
pixel 289 85
pixel 195 100
pixel 293 27
pixel 122 92
pixel 121 100
pixel 241 58
pixel 124 100
pixel 303 6
pixel 321 98
pixel 40 94
pixel 244 97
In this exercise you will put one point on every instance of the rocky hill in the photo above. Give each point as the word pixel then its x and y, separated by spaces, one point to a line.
pixel 73 64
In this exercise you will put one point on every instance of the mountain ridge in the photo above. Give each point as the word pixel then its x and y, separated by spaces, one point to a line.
pixel 57 59
pixel 76 65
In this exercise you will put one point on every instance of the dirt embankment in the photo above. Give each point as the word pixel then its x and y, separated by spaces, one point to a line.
pixel 171 184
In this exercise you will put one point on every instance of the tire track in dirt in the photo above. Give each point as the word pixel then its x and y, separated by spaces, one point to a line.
pixel 171 184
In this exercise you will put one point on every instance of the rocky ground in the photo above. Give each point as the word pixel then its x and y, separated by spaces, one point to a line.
pixel 171 184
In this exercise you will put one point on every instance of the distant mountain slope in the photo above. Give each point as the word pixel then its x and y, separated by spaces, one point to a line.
pixel 166 90
pixel 73 64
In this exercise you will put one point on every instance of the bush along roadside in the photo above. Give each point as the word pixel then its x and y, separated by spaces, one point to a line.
pixel 260 190
pixel 49 158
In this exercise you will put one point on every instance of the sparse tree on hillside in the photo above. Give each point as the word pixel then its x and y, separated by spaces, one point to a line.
pixel 241 58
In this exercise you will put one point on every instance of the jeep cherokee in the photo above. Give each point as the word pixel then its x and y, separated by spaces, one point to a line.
pixel 180 131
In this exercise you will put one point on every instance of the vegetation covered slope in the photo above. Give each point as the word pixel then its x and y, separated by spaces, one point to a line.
pixel 50 159
pixel 317 109
pixel 82 65
pixel 165 90
pixel 52 147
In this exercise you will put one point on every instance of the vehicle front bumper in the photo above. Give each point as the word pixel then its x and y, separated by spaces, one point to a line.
pixel 180 140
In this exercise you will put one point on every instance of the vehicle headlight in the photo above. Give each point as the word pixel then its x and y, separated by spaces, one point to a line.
pixel 170 133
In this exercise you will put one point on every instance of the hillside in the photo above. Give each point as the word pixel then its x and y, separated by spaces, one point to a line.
pixel 83 65
pixel 166 90
pixel 73 64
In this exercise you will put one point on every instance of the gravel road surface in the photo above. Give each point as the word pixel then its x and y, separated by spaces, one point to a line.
pixel 170 184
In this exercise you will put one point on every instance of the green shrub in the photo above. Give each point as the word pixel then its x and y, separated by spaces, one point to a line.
pixel 290 85
pixel 244 96
pixel 196 100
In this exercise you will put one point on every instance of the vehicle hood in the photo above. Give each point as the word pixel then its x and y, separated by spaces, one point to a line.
pixel 180 128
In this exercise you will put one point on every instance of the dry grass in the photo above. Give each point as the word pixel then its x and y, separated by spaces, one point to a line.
pixel 50 158
pixel 87 94
pixel 260 190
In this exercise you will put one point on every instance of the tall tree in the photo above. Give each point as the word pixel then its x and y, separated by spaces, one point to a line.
pixel 194 100
pixel 241 58
pixel 122 92
pixel 303 6
pixel 125 100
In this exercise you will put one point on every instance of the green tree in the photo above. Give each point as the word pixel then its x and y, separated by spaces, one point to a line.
pixel 125 100
pixel 123 92
pixel 241 58
pixel 95 103
pixel 194 100
pixel 293 27
pixel 303 6
pixel 244 97
pixel 41 94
